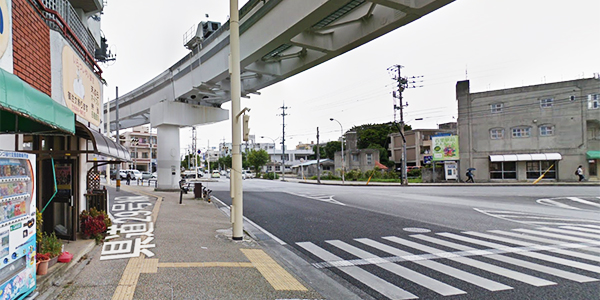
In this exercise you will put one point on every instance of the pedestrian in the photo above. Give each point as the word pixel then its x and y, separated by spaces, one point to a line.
pixel 579 172
pixel 470 176
pixel 128 178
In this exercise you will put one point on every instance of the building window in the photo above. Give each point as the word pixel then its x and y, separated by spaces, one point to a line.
pixel 594 101
pixel 145 154
pixel 496 108
pixel 521 132
pixel 354 157
pixel 133 154
pixel 535 169
pixel 546 102
pixel 497 133
pixel 369 158
pixel 503 170
pixel 546 130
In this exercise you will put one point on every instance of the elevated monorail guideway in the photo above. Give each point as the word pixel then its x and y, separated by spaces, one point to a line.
pixel 278 39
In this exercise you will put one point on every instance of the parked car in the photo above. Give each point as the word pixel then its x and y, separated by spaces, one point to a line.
pixel 247 174
pixel 146 175
pixel 134 174
pixel 154 176
pixel 215 174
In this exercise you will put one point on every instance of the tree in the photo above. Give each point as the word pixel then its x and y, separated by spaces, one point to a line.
pixel 330 149
pixel 257 159
pixel 383 155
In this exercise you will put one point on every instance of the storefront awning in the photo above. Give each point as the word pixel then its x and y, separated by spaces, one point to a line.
pixel 593 154
pixel 525 157
pixel 104 148
pixel 23 109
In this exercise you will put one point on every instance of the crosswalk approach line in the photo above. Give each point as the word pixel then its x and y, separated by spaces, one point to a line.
pixel 406 273
pixel 508 273
pixel 596 231
pixel 558 236
pixel 540 239
pixel 570 232
pixel 540 256
pixel 549 248
pixel 482 282
pixel 379 285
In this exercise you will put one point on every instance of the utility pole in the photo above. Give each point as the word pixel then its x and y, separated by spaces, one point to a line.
pixel 195 164
pixel 118 137
pixel 318 159
pixel 403 83
pixel 237 195
pixel 283 114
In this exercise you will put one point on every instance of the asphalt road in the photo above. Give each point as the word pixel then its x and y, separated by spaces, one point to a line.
pixel 379 241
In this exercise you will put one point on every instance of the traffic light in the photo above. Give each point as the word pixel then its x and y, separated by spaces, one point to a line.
pixel 246 131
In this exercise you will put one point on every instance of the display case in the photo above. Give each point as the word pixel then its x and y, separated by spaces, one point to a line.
pixel 17 225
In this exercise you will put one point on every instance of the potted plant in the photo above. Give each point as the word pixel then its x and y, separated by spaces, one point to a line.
pixel 51 245
pixel 42 263
pixel 94 224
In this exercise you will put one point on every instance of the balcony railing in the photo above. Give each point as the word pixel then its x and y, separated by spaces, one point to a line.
pixel 61 17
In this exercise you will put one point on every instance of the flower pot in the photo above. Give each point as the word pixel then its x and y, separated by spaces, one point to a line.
pixel 52 261
pixel 42 268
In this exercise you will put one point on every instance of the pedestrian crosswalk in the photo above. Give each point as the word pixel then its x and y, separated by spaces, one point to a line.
pixel 450 264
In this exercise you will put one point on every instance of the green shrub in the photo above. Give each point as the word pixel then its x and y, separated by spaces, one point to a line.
pixel 50 244
pixel 270 176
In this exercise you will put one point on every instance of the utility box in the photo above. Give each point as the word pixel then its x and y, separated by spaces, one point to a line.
pixel 197 190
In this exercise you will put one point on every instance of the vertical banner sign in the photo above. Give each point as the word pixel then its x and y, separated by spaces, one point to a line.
pixel 81 88
pixel 445 148
pixel 6 56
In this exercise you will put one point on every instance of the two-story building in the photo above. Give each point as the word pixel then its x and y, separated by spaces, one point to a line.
pixel 418 144
pixel 141 143
pixel 518 134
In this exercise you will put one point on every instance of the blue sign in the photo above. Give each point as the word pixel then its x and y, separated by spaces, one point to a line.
pixel 199 151
pixel 427 159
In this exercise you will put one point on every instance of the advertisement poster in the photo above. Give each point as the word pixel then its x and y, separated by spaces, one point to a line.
pixel 81 88
pixel 63 180
pixel 445 147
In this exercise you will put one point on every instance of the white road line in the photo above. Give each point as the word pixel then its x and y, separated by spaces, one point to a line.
pixel 381 286
pixel 581 229
pixel 559 236
pixel 570 232
pixel 540 239
pixel 576 199
pixel 329 200
pixel 540 256
pixel 549 247
pixel 485 283
pixel 278 240
pixel 550 202
pixel 532 280
pixel 406 273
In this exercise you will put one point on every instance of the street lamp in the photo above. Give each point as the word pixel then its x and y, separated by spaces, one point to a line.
pixel 262 137
pixel 343 162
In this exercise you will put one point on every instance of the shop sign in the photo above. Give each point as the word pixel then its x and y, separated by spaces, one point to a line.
pixel 81 88
pixel 445 148
pixel 6 62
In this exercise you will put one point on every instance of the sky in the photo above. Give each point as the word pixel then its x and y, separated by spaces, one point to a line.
pixel 495 44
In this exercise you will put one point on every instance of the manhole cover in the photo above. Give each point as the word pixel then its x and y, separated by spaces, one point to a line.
pixel 417 230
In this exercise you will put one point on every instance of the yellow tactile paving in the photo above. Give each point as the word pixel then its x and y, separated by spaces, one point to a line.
pixel 206 265
pixel 150 265
pixel 129 279
pixel 276 275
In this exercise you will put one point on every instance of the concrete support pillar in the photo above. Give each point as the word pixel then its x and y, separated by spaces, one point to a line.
pixel 168 169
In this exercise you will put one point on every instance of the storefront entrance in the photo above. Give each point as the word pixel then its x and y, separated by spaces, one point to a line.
pixel 59 201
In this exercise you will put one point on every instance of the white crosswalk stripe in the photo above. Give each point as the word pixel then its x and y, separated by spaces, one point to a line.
pixel 428 282
pixel 381 286
pixel 574 242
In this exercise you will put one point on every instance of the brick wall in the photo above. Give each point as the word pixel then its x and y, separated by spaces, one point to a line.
pixel 31 46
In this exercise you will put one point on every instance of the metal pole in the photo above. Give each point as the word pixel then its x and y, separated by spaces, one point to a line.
pixel 107 133
pixel 318 159
pixel 118 137
pixel 343 162
pixel 236 159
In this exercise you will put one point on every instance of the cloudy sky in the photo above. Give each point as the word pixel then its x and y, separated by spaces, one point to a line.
pixel 495 44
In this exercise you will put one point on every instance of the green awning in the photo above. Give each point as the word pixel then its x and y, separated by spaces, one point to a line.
pixel 23 109
pixel 593 154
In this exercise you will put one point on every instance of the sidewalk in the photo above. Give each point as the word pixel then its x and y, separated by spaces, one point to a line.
pixel 194 258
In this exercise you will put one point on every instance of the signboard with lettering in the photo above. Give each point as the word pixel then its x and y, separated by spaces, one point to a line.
pixel 6 55
pixel 81 88
pixel 445 148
